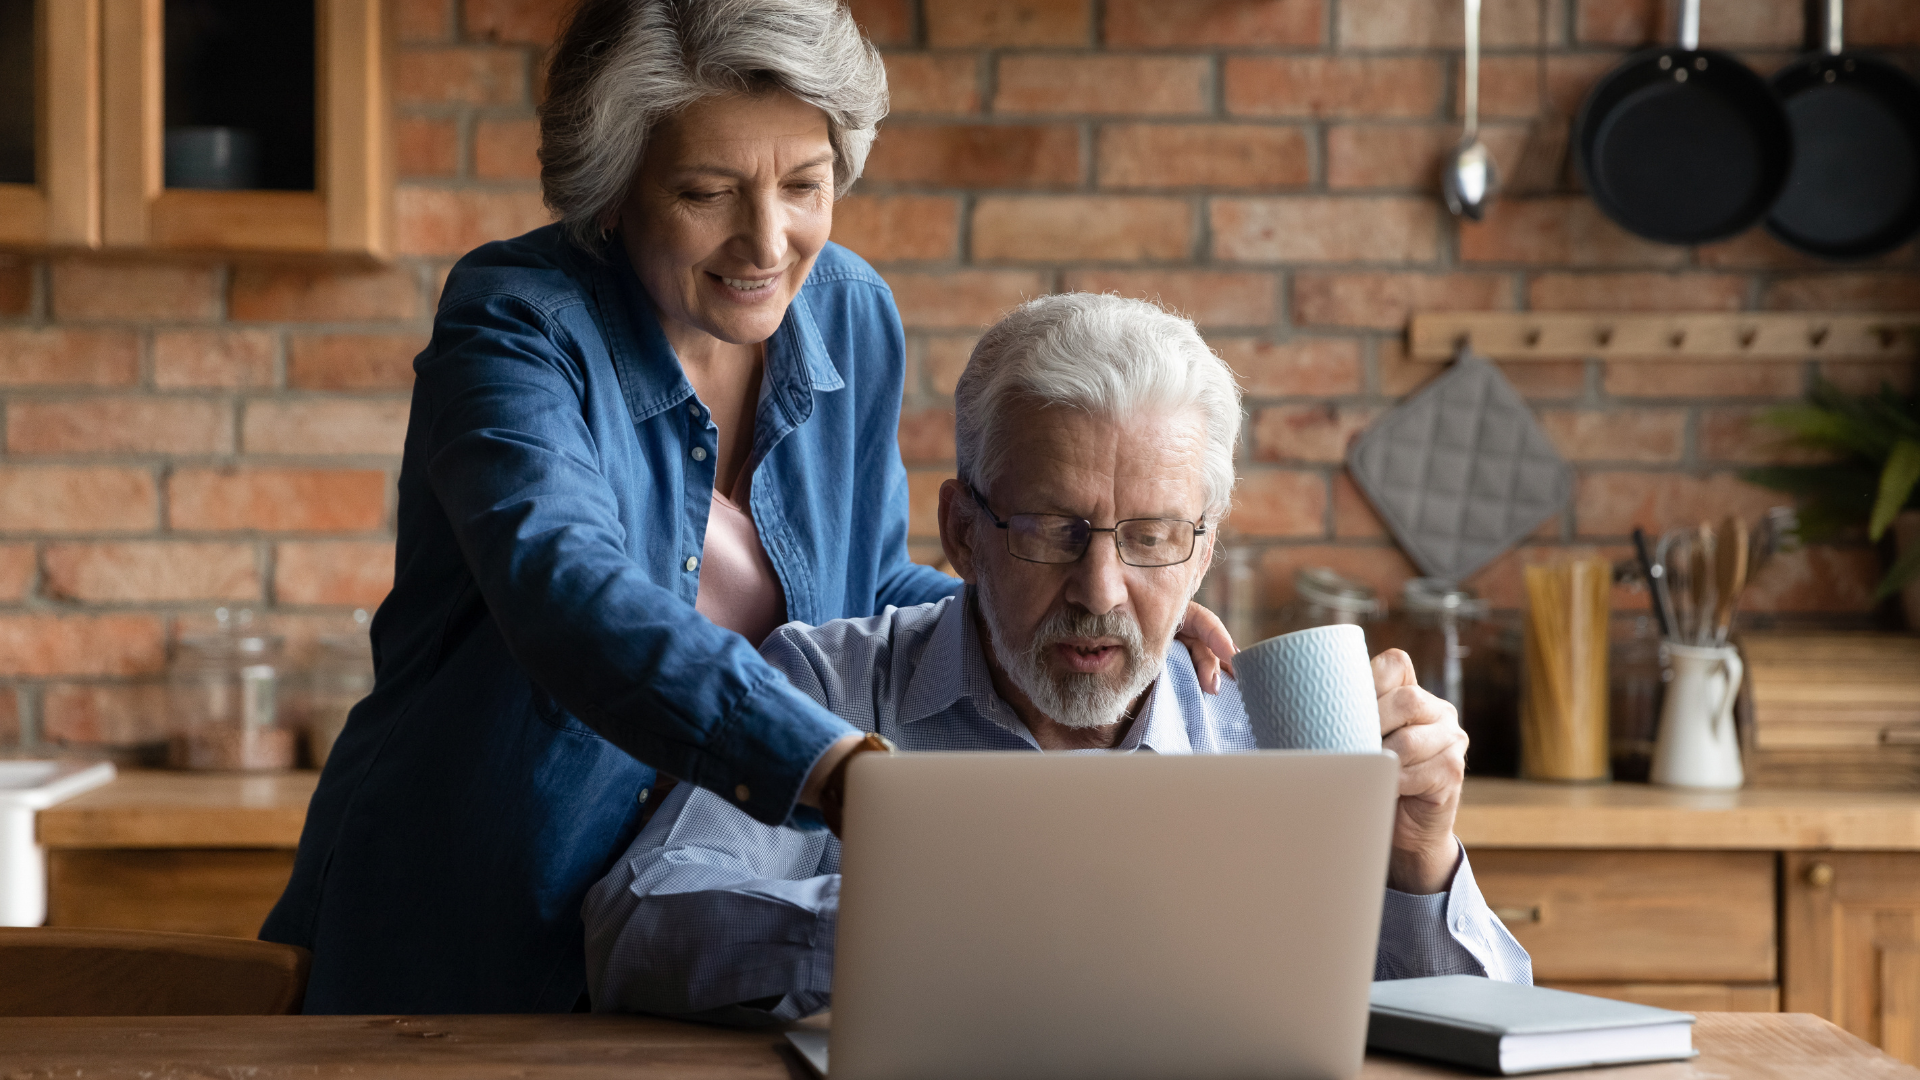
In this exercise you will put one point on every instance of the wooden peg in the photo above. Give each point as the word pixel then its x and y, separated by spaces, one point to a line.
pixel 1604 336
pixel 1533 337
pixel 1818 337
pixel 1677 338
pixel 1887 336
pixel 1747 336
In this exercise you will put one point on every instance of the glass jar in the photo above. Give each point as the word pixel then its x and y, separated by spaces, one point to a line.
pixel 319 699
pixel 1635 686
pixel 1322 597
pixel 222 700
pixel 1445 631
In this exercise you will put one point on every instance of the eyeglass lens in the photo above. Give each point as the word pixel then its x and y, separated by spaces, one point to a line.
pixel 1051 538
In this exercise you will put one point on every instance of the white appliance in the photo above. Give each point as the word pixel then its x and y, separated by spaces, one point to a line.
pixel 26 788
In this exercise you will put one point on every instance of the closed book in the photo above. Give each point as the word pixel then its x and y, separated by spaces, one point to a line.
pixel 1509 1029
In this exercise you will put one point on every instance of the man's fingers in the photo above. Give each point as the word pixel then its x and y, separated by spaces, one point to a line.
pixel 1432 760
pixel 1412 705
pixel 1391 670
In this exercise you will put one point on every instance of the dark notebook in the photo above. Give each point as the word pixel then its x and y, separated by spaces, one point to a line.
pixel 1508 1029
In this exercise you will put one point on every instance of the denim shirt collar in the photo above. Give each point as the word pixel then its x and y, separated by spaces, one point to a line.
pixel 651 378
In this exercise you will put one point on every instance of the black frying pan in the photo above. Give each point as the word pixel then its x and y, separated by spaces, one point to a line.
pixel 1854 189
pixel 1683 145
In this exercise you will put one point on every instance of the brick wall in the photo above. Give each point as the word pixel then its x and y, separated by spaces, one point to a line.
pixel 177 434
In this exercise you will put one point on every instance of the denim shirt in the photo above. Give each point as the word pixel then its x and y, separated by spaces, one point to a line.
pixel 539 656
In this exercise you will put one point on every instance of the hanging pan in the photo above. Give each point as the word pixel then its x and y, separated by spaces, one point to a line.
pixel 1683 145
pixel 1854 189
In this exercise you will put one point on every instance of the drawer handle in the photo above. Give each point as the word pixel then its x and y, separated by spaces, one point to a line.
pixel 1820 875
pixel 1512 915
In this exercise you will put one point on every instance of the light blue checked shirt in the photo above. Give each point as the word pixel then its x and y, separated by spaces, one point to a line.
pixel 710 910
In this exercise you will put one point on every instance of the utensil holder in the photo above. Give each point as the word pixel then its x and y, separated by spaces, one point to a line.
pixel 1698 746
pixel 1563 695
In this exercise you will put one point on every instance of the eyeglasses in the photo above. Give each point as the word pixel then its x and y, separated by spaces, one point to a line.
pixel 1057 538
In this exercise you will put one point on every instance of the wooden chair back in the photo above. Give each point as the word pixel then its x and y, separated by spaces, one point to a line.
pixel 56 971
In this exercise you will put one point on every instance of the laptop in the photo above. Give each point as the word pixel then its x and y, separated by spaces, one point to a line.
pixel 1107 915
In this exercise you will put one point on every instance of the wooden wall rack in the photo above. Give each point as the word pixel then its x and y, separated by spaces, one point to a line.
pixel 1736 336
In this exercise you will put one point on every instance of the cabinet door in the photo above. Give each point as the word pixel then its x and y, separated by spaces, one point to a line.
pixel 224 891
pixel 50 123
pixel 1853 944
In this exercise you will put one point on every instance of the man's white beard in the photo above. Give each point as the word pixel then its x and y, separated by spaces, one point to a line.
pixel 1074 699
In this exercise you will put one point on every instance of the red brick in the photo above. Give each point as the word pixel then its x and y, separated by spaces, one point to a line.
pixel 1108 85
pixel 926 436
pixel 1395 24
pixel 422 20
pixel 85 288
pixel 1724 26
pixel 977 155
pixel 885 22
pixel 1203 155
pixel 16 292
pixel 1502 583
pixel 1535 379
pixel 1381 566
pixel 342 572
pixel 1679 379
pixel 1384 301
pixel 16 571
pixel 1208 297
pixel 130 425
pixel 453 221
pixel 1407 155
pixel 1308 433
pixel 1320 228
pixel 1816 578
pixel 1741 436
pixel 196 358
pixel 338 426
pixel 1613 503
pixel 1868 376
pixel 426 147
pixel 120 714
pixel 1302 367
pixel 1637 435
pixel 923 501
pixel 531 22
pixel 1509 87
pixel 76 498
pixel 1882 22
pixel 1353 515
pixel 266 293
pixel 41 645
pixel 352 361
pixel 885 228
pixel 1845 292
pixel 933 83
pixel 1008 22
pixel 1280 502
pixel 1559 231
pixel 1571 78
pixel 943 357
pixel 460 75
pixel 960 299
pixel 1637 292
pixel 1618 22
pixel 34 357
pixel 1059 227
pixel 1326 86
pixel 143 571
pixel 1237 23
pixel 277 500
pixel 506 150
pixel 9 717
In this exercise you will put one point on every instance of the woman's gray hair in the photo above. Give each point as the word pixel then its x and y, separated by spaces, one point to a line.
pixel 1106 355
pixel 623 66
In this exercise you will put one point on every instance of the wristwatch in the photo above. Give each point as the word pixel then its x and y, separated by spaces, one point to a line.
pixel 833 792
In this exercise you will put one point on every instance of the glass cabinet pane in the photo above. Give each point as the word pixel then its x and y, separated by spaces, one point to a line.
pixel 19 96
pixel 240 94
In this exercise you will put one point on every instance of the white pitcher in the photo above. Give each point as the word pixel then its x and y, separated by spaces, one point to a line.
pixel 1698 747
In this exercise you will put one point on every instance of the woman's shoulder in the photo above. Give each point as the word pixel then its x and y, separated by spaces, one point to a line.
pixel 542 269
pixel 837 268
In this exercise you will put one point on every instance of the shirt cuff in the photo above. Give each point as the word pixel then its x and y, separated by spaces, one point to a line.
pixel 1448 933
pixel 774 737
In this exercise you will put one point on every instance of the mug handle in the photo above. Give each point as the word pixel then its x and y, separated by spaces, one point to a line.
pixel 1734 669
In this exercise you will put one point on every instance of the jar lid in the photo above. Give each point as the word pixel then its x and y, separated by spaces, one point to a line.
pixel 1323 586
pixel 1438 595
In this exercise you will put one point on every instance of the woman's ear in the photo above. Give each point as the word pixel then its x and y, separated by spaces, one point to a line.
pixel 956 528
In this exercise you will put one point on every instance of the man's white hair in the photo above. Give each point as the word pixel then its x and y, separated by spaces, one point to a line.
pixel 1103 354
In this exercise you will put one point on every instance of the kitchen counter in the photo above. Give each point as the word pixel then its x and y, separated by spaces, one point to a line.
pixel 184 810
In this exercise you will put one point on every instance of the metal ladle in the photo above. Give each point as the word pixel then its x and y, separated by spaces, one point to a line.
pixel 1470 176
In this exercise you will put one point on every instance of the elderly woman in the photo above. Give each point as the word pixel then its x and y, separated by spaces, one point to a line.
pixel 641 439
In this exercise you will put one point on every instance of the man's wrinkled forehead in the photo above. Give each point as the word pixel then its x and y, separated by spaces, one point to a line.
pixel 1059 459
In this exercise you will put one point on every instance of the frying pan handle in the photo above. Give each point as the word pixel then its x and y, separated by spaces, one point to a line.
pixel 1836 28
pixel 1690 25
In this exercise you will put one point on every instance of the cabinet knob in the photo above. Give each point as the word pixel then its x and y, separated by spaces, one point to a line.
pixel 1820 875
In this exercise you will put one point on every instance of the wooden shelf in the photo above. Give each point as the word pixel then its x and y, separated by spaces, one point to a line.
pixel 184 810
pixel 1716 336
pixel 1525 814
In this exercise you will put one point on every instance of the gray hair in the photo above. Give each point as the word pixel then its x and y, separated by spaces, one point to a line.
pixel 623 66
pixel 1103 354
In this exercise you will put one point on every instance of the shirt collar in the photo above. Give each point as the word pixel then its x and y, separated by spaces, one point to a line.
pixel 650 376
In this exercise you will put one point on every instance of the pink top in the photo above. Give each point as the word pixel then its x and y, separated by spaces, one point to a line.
pixel 738 589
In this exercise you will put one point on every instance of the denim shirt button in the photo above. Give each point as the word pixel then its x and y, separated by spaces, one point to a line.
pixel 741 793
pixel 641 799
pixel 692 564
pixel 699 453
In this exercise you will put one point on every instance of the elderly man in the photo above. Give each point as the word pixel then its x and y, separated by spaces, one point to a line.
pixel 1095 441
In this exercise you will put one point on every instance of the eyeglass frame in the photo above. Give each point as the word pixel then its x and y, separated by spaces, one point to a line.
pixel 1199 530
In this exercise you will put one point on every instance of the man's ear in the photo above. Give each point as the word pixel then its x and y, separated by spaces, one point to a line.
pixel 956 528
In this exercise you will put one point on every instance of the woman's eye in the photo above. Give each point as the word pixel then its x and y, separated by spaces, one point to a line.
pixel 701 196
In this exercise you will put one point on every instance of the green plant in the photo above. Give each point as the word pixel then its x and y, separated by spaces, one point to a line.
pixel 1874 474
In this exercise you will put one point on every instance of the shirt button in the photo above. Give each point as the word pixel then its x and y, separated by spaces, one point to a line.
pixel 692 564
pixel 694 409
pixel 642 798
pixel 699 453
pixel 741 793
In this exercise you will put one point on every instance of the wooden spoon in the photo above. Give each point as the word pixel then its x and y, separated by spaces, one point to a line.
pixel 1730 574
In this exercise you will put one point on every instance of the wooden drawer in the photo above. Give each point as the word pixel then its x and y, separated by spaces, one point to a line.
pixel 1637 916
pixel 193 891
pixel 1685 997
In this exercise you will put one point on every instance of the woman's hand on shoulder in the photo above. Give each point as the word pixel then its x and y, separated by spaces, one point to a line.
pixel 1208 642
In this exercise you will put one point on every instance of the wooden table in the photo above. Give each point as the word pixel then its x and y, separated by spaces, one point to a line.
pixel 1779 1046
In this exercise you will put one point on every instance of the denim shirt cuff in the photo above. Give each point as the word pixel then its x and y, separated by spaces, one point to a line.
pixel 774 737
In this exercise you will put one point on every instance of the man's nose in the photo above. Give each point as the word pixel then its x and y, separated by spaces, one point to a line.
pixel 1099 579
pixel 763 229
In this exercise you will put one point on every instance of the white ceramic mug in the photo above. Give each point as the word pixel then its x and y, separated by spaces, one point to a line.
pixel 1698 746
pixel 1311 690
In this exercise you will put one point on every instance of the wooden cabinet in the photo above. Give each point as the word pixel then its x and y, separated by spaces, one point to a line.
pixel 1853 944
pixel 187 891
pixel 50 115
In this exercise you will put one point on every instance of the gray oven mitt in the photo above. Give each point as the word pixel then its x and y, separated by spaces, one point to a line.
pixel 1460 471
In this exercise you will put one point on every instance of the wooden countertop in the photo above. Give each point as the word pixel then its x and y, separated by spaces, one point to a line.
pixel 1766 1046
pixel 232 810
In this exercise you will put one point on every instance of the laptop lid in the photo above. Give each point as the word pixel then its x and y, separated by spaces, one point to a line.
pixel 1109 915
